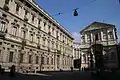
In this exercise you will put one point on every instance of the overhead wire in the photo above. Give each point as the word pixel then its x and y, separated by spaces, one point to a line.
pixel 75 9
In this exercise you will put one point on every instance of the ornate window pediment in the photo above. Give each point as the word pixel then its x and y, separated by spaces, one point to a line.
pixel 5 7
pixel 7 1
pixel 18 2
pixel 4 19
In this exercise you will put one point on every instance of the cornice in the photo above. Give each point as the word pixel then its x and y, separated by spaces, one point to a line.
pixel 35 5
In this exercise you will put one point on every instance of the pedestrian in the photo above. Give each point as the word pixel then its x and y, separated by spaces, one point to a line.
pixel 2 70
pixel 12 71
pixel 60 70
pixel 71 69
pixel 82 68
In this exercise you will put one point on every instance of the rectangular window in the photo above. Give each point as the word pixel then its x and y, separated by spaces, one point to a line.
pixel 44 25
pixel 42 60
pixel 104 35
pixel 47 60
pixel 37 59
pixel 63 61
pixel 25 16
pixel 2 26
pixel 0 43
pixel 53 30
pixel 21 58
pixel 39 21
pixel 110 34
pixel 96 37
pixel 14 31
pixel 48 43
pixel 26 12
pixel 52 61
pixel 52 45
pixel 49 28
pixel 31 37
pixel 38 40
pixel 88 38
pixel 33 17
pixel 22 33
pixel 17 8
pixel 43 41
pixel 0 55
pixel 11 57
pixel 30 58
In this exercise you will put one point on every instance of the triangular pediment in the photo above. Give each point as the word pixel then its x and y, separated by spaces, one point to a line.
pixel 96 25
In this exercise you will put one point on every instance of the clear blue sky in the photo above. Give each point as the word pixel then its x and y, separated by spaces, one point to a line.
pixel 107 11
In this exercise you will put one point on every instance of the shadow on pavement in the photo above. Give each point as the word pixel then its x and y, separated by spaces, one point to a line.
pixel 18 76
pixel 106 76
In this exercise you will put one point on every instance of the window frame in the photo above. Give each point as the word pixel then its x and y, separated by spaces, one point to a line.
pixel 11 56
pixel 2 26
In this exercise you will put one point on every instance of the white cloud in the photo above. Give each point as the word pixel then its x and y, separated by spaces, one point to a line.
pixel 76 36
